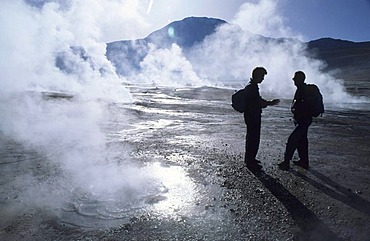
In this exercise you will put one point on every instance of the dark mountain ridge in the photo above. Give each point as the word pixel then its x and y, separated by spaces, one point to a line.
pixel 351 59
pixel 185 33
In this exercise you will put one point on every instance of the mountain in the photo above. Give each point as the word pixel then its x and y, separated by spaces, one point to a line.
pixel 350 58
pixel 185 33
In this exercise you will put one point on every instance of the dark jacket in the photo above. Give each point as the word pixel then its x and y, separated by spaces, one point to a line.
pixel 300 108
pixel 254 101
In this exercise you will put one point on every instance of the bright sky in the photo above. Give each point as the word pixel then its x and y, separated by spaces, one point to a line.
pixel 313 19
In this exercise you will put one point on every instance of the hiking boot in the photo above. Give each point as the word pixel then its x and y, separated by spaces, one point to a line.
pixel 252 162
pixel 284 165
pixel 302 164
pixel 254 167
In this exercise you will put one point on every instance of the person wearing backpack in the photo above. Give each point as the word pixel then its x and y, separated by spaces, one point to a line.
pixel 307 103
pixel 252 117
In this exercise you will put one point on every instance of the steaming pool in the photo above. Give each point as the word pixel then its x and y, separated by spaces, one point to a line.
pixel 169 193
pixel 133 180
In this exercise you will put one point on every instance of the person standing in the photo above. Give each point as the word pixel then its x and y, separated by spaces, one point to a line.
pixel 302 109
pixel 252 117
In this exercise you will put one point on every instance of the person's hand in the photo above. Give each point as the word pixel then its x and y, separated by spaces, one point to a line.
pixel 274 102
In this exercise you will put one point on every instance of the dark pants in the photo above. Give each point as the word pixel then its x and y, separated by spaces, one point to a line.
pixel 298 141
pixel 252 141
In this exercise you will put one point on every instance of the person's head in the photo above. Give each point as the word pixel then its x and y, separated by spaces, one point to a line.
pixel 258 74
pixel 299 78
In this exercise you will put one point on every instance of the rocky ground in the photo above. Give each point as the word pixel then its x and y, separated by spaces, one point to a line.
pixel 196 132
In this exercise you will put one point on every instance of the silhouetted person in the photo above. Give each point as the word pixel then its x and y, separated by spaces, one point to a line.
pixel 252 117
pixel 302 113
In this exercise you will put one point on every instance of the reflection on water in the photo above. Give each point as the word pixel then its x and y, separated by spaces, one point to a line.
pixel 179 188
pixel 168 192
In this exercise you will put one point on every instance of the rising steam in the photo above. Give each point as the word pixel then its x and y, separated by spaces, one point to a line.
pixel 230 54
pixel 56 81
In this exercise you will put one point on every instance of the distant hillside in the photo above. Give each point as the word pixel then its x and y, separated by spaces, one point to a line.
pixel 185 33
pixel 353 59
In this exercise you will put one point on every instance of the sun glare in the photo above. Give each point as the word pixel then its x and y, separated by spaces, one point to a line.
pixel 180 187
pixel 171 32
pixel 150 5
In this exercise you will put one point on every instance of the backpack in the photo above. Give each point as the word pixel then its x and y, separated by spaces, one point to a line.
pixel 314 100
pixel 238 100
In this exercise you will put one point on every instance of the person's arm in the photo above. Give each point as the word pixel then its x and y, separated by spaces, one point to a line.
pixel 264 103
pixel 273 102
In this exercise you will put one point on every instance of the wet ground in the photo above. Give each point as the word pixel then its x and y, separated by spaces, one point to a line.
pixel 186 179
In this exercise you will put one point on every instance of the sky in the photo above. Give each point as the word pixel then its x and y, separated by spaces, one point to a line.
pixel 341 19
pixel 312 19
pixel 303 19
